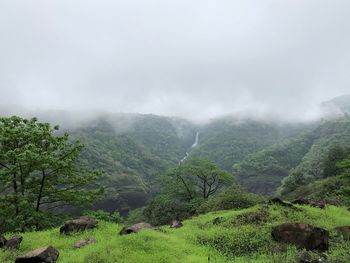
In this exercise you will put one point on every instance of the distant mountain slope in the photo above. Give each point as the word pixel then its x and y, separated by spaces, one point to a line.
pixel 227 141
pixel 294 162
pixel 338 106
pixel 262 172
pixel 329 133
pixel 133 151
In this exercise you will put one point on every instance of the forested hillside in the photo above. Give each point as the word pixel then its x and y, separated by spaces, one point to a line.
pixel 262 172
pixel 132 151
pixel 228 140
pixel 328 134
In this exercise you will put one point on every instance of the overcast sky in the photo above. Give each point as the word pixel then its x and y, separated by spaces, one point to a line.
pixel 190 58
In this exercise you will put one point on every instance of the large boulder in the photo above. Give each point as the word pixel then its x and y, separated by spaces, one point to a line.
pixel 315 203
pixel 3 241
pixel 14 242
pixel 40 255
pixel 344 231
pixel 135 228
pixel 84 242
pixel 78 225
pixel 302 236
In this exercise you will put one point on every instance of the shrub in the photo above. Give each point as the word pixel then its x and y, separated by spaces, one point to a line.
pixel 105 216
pixel 161 210
pixel 233 198
pixel 136 216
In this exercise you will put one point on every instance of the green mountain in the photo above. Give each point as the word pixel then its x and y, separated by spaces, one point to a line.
pixel 262 172
pixel 294 162
pixel 133 150
pixel 226 141
pixel 328 134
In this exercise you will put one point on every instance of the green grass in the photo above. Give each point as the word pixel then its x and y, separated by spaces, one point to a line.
pixel 238 236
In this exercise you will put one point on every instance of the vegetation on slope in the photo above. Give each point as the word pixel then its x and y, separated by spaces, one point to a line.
pixel 335 186
pixel 133 150
pixel 262 172
pixel 39 173
pixel 225 236
pixel 227 141
pixel 310 169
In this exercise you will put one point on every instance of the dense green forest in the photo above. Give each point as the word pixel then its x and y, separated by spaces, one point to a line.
pixel 132 151
pixel 266 157
pixel 228 140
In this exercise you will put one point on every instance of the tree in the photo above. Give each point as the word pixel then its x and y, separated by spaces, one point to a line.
pixel 40 172
pixel 198 178
pixel 335 155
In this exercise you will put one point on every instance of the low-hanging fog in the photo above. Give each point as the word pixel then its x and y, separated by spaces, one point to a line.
pixel 197 59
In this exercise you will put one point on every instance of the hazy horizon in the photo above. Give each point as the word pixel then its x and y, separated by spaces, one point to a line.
pixel 197 59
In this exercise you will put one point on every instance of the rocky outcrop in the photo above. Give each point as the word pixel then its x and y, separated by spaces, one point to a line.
pixel 176 224
pixel 40 255
pixel 302 236
pixel 334 202
pixel 84 242
pixel 78 225
pixel 344 231
pixel 12 243
pixel 3 241
pixel 306 257
pixel 135 228
pixel 314 203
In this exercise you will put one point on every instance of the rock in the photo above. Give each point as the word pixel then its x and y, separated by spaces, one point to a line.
pixel 302 236
pixel 84 242
pixel 78 225
pixel 334 202
pixel 134 229
pixel 176 224
pixel 316 258
pixel 305 258
pixel 14 242
pixel 310 202
pixel 3 241
pixel 40 255
pixel 344 231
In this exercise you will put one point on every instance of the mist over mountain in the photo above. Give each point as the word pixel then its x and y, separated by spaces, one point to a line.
pixel 338 106
pixel 133 150
pixel 198 59
pixel 210 131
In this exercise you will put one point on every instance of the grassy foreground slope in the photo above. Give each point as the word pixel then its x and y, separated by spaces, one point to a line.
pixel 224 236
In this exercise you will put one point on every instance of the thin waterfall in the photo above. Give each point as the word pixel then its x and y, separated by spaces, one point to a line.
pixel 194 145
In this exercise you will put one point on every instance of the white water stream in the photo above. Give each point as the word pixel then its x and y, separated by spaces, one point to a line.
pixel 194 145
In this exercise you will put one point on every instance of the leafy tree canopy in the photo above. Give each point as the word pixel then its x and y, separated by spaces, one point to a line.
pixel 39 173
